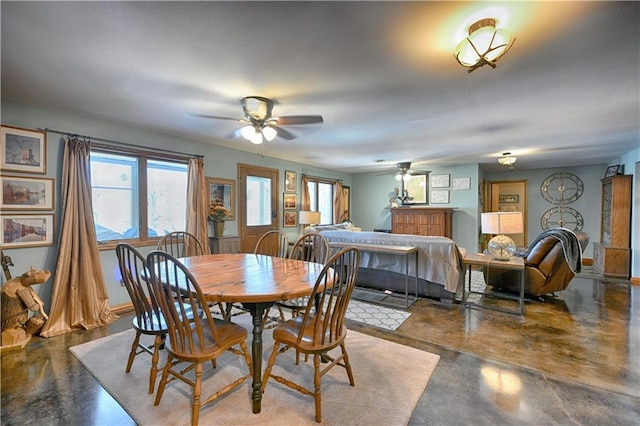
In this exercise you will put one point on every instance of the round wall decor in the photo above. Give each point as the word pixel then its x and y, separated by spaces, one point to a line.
pixel 563 217
pixel 562 188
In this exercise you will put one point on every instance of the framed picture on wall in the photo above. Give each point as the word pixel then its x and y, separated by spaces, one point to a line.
pixel 27 193
pixel 290 181
pixel 612 170
pixel 440 197
pixel 290 201
pixel 23 150
pixel 440 181
pixel 290 219
pixel 26 230
pixel 223 192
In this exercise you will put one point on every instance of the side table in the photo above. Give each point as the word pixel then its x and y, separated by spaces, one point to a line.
pixel 482 260
pixel 227 244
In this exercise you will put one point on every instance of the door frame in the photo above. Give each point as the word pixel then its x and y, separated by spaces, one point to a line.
pixel 490 202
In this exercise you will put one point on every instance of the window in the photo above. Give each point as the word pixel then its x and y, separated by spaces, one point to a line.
pixel 258 201
pixel 321 195
pixel 136 196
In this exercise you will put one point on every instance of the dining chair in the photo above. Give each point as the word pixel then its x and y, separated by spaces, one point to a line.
pixel 196 341
pixel 148 318
pixel 318 331
pixel 181 244
pixel 311 247
pixel 272 243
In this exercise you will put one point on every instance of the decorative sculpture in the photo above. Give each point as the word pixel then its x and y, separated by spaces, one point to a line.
pixel 18 298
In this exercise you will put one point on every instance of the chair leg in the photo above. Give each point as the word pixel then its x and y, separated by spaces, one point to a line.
pixel 316 381
pixel 197 389
pixel 154 361
pixel 267 371
pixel 347 364
pixel 163 380
pixel 132 354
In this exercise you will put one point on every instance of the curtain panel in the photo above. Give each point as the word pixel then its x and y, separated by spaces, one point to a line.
pixel 197 203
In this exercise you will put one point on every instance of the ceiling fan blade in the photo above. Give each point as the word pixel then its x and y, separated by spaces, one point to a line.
pixel 236 134
pixel 298 119
pixel 284 134
pixel 217 117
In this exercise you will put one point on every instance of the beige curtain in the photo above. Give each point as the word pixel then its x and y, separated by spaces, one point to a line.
pixel 338 204
pixel 79 298
pixel 305 202
pixel 198 202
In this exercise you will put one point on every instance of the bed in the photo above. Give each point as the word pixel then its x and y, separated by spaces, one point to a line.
pixel 440 267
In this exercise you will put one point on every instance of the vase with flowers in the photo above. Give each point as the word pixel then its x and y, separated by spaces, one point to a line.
pixel 217 214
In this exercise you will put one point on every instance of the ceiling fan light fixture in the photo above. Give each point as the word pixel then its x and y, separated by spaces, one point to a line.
pixel 269 133
pixel 507 160
pixel 484 45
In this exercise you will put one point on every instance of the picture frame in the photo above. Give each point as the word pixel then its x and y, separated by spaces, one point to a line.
pixel 509 199
pixel 416 187
pixel 27 193
pixel 346 199
pixel 440 181
pixel 612 170
pixel 290 219
pixel 440 197
pixel 27 230
pixel 461 184
pixel 290 201
pixel 23 150
pixel 290 181
pixel 222 191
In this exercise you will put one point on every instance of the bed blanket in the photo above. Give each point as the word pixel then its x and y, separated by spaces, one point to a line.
pixel 439 258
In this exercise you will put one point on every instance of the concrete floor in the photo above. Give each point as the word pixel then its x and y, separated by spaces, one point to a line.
pixel 574 359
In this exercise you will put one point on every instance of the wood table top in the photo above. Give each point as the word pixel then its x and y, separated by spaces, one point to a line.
pixel 252 278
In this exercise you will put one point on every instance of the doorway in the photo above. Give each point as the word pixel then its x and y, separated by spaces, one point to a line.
pixel 257 203
pixel 508 196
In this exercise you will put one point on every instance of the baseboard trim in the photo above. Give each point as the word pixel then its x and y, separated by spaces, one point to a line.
pixel 635 280
pixel 587 262
pixel 121 309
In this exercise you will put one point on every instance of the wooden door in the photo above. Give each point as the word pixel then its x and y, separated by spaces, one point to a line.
pixel 257 203
pixel 508 196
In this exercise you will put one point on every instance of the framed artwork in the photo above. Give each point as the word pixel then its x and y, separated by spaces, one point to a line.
pixel 461 184
pixel 416 187
pixel 290 181
pixel 27 230
pixel 440 197
pixel 290 201
pixel 612 170
pixel 290 219
pixel 27 193
pixel 23 150
pixel 440 181
pixel 509 199
pixel 223 192
pixel 346 199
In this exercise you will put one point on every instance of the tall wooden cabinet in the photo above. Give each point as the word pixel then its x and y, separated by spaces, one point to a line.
pixel 612 255
pixel 421 221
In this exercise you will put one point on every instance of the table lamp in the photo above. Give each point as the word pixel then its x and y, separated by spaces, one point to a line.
pixel 501 247
pixel 308 218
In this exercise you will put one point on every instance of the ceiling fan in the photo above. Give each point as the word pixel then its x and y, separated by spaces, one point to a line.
pixel 259 124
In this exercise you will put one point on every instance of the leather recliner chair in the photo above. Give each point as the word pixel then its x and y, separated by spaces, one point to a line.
pixel 548 267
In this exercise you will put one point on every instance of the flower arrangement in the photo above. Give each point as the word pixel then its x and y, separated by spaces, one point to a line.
pixel 218 213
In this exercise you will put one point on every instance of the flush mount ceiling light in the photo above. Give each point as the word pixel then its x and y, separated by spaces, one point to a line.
pixel 507 160
pixel 484 45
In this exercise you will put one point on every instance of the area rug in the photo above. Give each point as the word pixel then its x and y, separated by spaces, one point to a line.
pixel 376 315
pixel 390 378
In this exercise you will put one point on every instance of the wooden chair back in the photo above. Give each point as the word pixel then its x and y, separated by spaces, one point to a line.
pixel 332 298
pixel 273 243
pixel 179 293
pixel 136 279
pixel 312 247
pixel 180 244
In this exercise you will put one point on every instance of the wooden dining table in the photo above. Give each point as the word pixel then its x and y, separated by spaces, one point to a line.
pixel 257 282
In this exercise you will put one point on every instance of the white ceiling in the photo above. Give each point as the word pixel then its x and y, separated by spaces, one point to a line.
pixel 382 74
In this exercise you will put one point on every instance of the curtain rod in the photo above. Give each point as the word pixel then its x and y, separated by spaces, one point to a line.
pixel 321 177
pixel 46 129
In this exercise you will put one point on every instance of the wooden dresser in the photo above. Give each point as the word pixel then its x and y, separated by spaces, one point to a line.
pixel 612 255
pixel 429 221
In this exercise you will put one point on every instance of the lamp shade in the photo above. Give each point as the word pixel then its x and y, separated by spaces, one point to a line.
pixel 308 217
pixel 484 45
pixel 502 247
pixel 502 223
